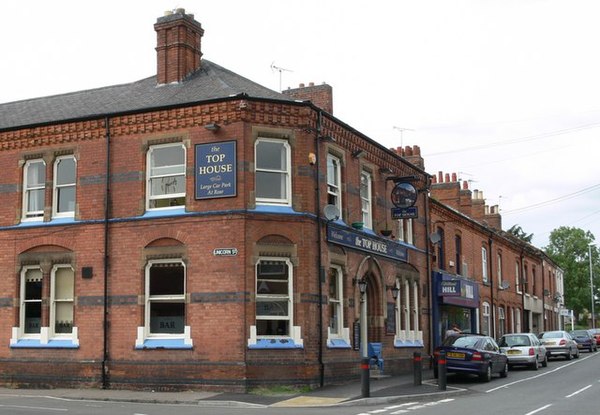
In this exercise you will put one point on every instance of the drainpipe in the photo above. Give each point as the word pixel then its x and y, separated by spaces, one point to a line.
pixel 522 286
pixel 105 384
pixel 432 296
pixel 320 270
pixel 491 274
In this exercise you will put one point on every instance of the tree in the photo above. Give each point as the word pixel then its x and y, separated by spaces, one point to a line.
pixel 569 248
pixel 517 231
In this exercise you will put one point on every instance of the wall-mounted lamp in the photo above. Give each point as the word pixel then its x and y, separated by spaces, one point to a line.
pixel 328 138
pixel 395 291
pixel 212 126
pixel 362 286
pixel 385 170
pixel 358 154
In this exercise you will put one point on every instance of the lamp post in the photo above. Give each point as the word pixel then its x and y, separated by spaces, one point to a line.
pixel 592 285
pixel 364 346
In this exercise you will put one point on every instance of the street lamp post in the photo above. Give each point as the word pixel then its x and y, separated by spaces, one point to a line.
pixel 364 346
pixel 592 286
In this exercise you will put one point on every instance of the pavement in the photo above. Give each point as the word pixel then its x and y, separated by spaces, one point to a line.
pixel 383 389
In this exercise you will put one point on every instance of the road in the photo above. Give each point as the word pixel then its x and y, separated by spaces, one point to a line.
pixel 562 387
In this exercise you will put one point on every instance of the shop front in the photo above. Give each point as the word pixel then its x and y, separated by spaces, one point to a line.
pixel 456 301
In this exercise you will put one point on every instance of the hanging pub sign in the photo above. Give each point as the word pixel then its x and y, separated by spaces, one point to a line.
pixel 404 197
pixel 215 170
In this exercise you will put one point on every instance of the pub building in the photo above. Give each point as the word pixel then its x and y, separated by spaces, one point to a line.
pixel 195 230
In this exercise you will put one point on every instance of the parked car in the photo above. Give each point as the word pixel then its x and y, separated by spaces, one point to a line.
pixel 472 354
pixel 559 343
pixel 596 334
pixel 524 349
pixel 585 340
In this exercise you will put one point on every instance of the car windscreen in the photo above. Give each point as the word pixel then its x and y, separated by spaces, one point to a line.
pixel 462 341
pixel 552 335
pixel 580 333
pixel 514 341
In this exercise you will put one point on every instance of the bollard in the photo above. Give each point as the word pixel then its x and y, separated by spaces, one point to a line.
pixel 441 365
pixel 417 369
pixel 364 377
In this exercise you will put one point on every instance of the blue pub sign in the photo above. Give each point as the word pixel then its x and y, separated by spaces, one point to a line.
pixel 215 170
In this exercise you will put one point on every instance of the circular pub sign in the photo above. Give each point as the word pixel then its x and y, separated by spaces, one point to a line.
pixel 404 195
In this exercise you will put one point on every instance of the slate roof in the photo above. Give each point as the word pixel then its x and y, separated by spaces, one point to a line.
pixel 210 82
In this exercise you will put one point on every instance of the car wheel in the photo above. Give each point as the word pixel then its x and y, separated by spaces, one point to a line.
pixel 435 373
pixel 545 361
pixel 487 375
pixel 577 353
pixel 534 365
pixel 504 372
pixel 569 355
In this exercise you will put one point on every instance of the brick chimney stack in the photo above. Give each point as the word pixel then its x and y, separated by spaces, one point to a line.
pixel 178 46
pixel 320 95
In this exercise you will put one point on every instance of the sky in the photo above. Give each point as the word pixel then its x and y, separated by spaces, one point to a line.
pixel 505 93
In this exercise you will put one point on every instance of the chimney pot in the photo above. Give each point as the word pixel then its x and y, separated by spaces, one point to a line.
pixel 301 85
pixel 447 178
pixel 440 177
pixel 454 177
pixel 311 84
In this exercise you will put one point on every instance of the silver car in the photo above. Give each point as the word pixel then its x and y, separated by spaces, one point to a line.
pixel 559 343
pixel 524 349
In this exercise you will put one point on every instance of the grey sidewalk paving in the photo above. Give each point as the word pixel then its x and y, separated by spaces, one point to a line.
pixel 382 390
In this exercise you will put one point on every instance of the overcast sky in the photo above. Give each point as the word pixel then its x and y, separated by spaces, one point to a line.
pixel 505 93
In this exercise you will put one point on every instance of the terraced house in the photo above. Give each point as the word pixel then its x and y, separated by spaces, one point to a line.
pixel 197 230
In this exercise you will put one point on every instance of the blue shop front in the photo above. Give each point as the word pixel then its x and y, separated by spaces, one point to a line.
pixel 456 301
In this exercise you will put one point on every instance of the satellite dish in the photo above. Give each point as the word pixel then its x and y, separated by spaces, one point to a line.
pixel 435 237
pixel 331 212
pixel 505 285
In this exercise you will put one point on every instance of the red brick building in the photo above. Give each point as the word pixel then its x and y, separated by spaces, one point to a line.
pixel 173 233
pixel 486 280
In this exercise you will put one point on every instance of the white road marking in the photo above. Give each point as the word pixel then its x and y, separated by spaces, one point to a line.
pixel 538 410
pixel 506 385
pixel 579 391
pixel 40 408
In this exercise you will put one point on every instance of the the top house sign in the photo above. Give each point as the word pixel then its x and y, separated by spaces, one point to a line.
pixel 215 170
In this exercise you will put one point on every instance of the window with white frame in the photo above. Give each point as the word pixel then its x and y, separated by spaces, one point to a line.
pixel 407 314
pixel 501 321
pixel 484 267
pixel 334 182
pixel 31 301
pixel 273 297
pixel 405 231
pixel 273 171
pixel 165 176
pixel 33 285
pixel 336 301
pixel 62 296
pixel 485 321
pixel 517 278
pixel 366 199
pixel 34 189
pixel 337 334
pixel 65 176
pixel 499 269
pixel 165 298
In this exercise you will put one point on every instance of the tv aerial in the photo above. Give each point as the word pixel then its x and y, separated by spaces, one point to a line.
pixel 280 70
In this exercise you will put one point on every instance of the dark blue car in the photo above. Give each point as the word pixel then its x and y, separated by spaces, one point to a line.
pixel 472 354
pixel 585 340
